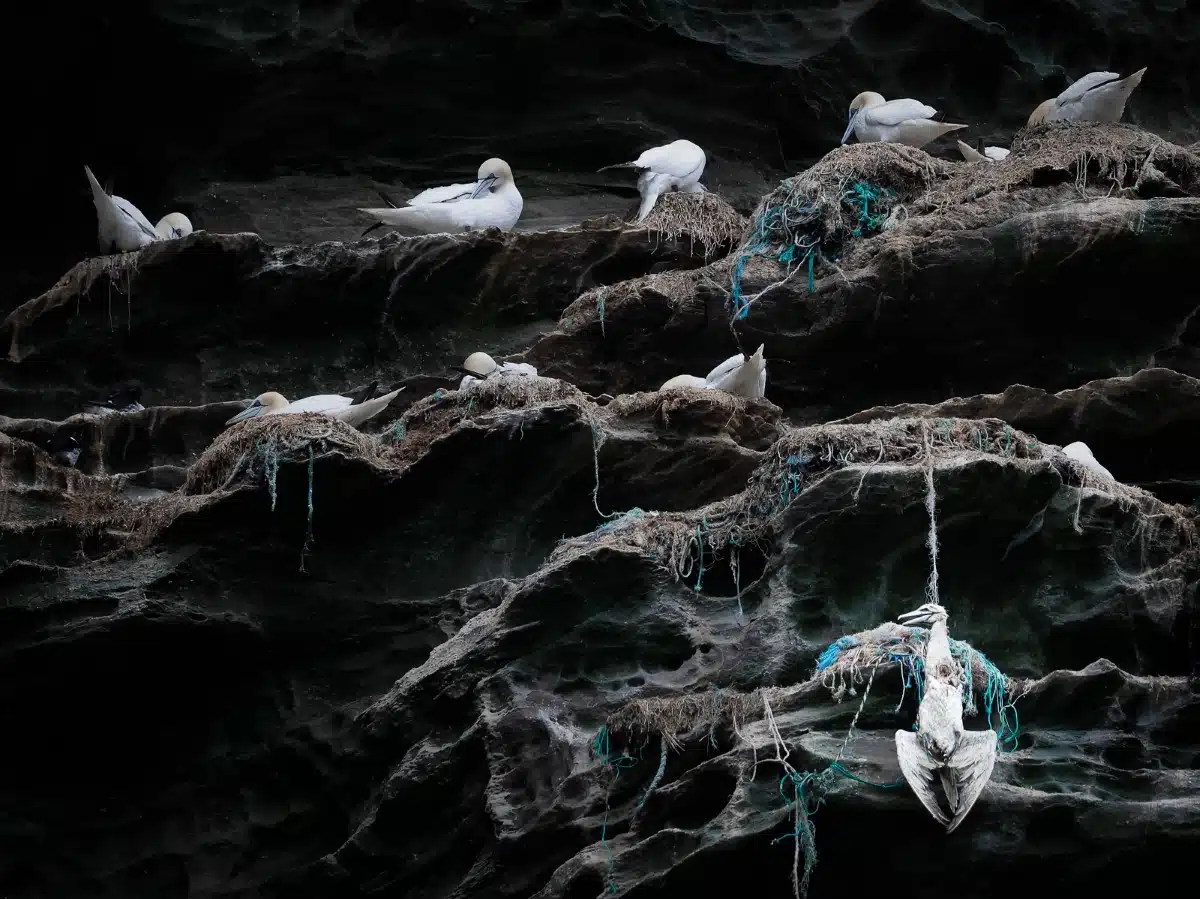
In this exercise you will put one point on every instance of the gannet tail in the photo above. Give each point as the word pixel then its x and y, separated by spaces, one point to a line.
pixel 918 769
pixel 620 165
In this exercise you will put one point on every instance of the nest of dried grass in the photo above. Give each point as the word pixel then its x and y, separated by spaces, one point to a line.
pixel 438 414
pixel 1090 158
pixel 702 218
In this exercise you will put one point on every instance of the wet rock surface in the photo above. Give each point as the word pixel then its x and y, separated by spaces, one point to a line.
pixel 547 637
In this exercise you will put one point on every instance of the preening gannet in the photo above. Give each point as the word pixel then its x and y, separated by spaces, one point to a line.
pixel 334 405
pixel 741 376
pixel 493 201
pixel 1082 454
pixel 1096 97
pixel 125 400
pixel 961 759
pixel 906 121
pixel 121 227
pixel 674 166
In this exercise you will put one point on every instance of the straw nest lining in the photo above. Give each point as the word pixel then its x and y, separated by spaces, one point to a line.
pixel 703 218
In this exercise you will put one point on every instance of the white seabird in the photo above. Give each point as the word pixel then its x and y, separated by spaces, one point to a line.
pixel 906 121
pixel 962 759
pixel 989 154
pixel 741 376
pixel 493 201
pixel 1096 97
pixel 480 366
pixel 343 408
pixel 1082 453
pixel 122 227
pixel 674 166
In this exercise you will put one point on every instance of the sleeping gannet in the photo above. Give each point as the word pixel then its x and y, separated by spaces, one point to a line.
pixel 173 225
pixel 962 759
pixel 674 166
pixel 480 366
pixel 493 201
pixel 1096 97
pixel 343 408
pixel 906 121
pixel 685 381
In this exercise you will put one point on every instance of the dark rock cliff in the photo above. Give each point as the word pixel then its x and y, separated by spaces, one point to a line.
pixel 571 636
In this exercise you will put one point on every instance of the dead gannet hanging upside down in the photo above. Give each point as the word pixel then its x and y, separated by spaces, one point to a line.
pixel 961 759
pixel 343 408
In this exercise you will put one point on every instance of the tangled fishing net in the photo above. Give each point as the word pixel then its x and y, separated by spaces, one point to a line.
pixel 853 193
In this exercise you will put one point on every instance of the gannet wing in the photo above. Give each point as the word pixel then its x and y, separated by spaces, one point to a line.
pixel 680 159
pixel 893 112
pixel 135 216
pixel 725 368
pixel 327 402
pixel 1075 92
pixel 918 769
pixel 971 765
pixel 450 193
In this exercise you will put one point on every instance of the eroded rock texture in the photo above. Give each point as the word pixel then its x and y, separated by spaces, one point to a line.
pixel 548 637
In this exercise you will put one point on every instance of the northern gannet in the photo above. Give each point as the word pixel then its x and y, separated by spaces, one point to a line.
pixel 1096 97
pixel 674 166
pixel 120 225
pixel 906 121
pixel 343 408
pixel 961 759
pixel 740 375
pixel 493 201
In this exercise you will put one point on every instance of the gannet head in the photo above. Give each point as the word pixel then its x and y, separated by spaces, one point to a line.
pixel 928 614
pixel 173 225
pixel 493 172
pixel 480 365
pixel 264 404
pixel 865 100
pixel 1038 116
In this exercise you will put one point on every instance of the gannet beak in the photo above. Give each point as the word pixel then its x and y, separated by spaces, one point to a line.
pixel 252 411
pixel 849 128
pixel 483 186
